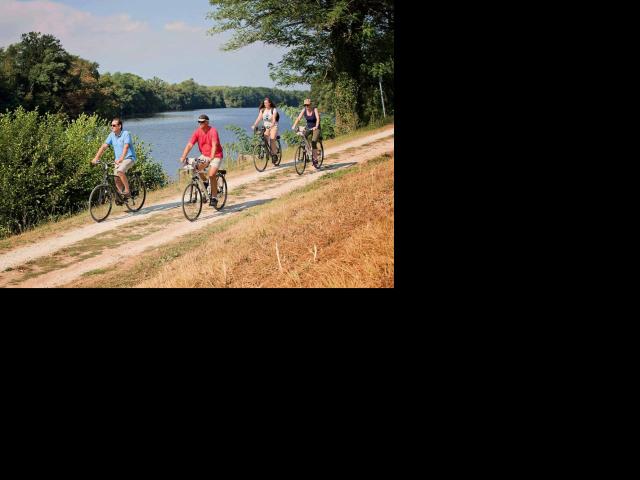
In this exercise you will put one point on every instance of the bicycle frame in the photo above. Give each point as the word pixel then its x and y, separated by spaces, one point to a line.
pixel 192 164
pixel 109 179
pixel 266 141
pixel 304 140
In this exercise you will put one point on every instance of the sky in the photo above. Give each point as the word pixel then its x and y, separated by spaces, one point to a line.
pixel 150 38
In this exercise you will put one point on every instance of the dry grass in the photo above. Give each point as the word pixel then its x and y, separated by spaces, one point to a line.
pixel 338 232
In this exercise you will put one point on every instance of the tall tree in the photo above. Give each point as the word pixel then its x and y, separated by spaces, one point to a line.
pixel 41 71
pixel 85 94
pixel 348 43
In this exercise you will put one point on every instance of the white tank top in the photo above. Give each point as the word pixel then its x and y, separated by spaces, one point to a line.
pixel 267 116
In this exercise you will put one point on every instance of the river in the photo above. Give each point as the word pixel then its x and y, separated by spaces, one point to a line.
pixel 168 133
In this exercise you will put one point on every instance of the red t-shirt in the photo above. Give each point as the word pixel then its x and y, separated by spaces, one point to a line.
pixel 205 142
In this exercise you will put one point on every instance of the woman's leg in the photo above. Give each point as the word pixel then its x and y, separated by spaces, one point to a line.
pixel 314 144
pixel 267 134
pixel 273 132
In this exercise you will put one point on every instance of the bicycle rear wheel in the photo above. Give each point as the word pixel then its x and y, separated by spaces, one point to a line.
pixel 260 157
pixel 192 202
pixel 279 159
pixel 100 202
pixel 138 193
pixel 222 192
pixel 320 153
pixel 300 160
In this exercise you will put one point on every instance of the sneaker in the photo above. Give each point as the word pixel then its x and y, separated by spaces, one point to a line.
pixel 213 202
pixel 315 163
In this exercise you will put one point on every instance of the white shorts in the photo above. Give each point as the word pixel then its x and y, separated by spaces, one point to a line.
pixel 213 162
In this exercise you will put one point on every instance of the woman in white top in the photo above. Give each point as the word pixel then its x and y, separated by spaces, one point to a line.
pixel 270 116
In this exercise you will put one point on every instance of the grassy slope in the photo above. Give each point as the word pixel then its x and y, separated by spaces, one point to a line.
pixel 335 232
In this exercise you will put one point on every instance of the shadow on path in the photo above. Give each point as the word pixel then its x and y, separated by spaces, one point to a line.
pixel 145 211
pixel 237 207
pixel 334 166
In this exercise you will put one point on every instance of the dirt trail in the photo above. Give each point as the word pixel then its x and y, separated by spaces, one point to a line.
pixel 58 260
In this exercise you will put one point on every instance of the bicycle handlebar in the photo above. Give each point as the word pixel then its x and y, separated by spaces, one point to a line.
pixel 192 162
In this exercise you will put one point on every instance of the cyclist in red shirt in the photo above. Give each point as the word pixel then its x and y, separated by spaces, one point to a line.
pixel 211 152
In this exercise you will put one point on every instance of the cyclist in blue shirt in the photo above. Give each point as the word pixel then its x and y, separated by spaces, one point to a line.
pixel 124 152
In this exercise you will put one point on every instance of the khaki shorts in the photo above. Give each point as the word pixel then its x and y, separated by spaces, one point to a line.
pixel 215 162
pixel 125 165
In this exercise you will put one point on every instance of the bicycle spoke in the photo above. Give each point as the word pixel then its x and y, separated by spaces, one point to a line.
pixel 100 203
pixel 192 202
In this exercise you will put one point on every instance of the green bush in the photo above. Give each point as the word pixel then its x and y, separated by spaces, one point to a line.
pixel 45 169
pixel 242 146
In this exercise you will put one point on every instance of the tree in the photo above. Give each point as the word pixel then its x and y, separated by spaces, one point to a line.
pixel 332 41
pixel 85 94
pixel 40 69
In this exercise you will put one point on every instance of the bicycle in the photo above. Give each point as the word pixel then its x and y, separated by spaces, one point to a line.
pixel 193 198
pixel 304 153
pixel 262 151
pixel 103 195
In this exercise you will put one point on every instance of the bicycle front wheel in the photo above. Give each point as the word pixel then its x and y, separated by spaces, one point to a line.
pixel 138 193
pixel 100 202
pixel 260 157
pixel 300 160
pixel 222 192
pixel 192 202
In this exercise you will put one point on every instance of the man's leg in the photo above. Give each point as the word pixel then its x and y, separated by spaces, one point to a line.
pixel 123 179
pixel 121 176
pixel 118 182
pixel 213 181
pixel 202 169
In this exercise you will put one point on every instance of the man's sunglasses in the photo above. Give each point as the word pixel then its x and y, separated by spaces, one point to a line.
pixel 201 121
pixel 116 125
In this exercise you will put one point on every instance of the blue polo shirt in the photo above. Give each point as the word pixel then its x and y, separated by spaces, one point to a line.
pixel 118 141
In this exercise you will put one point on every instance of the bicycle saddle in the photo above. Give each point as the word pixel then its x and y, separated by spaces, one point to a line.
pixel 222 172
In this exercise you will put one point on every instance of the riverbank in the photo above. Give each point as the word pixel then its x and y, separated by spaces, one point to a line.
pixel 125 240
pixel 53 228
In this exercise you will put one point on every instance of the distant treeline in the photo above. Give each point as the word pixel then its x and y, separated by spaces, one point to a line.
pixel 38 73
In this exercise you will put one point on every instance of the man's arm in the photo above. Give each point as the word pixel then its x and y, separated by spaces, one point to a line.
pixel 215 140
pixel 101 150
pixel 187 149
